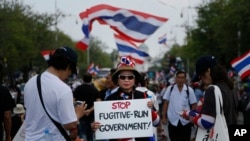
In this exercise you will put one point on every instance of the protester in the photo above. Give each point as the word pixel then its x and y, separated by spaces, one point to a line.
pixel 87 92
pixel 177 98
pixel 17 119
pixel 244 103
pixel 6 106
pixel 210 72
pixel 111 87
pixel 57 97
pixel 126 77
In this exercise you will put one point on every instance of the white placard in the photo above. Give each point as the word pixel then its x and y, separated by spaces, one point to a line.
pixel 123 119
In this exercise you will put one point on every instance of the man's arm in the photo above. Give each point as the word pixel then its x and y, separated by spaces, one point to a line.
pixel 164 111
pixel 7 124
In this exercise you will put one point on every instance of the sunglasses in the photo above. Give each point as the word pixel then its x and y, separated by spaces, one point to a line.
pixel 123 77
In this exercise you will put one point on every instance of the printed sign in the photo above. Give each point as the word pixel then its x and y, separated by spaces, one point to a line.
pixel 123 119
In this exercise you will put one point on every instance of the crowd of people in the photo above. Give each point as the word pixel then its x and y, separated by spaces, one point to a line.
pixel 66 111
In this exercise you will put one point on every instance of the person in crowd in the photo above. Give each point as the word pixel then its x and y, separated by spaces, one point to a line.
pixel 209 71
pixel 57 97
pixel 143 87
pixel 111 87
pixel 244 103
pixel 7 103
pixel 127 77
pixel 87 92
pixel 197 90
pixel 178 97
pixel 17 119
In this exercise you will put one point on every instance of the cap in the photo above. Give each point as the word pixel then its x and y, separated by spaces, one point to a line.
pixel 202 64
pixel 69 54
pixel 125 64
pixel 19 109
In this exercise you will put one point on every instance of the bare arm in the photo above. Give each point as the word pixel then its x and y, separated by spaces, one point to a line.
pixel 7 124
pixel 164 111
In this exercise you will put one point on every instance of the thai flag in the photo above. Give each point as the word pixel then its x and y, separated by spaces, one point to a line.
pixel 83 44
pixel 93 69
pixel 46 54
pixel 242 65
pixel 129 49
pixel 163 39
pixel 134 25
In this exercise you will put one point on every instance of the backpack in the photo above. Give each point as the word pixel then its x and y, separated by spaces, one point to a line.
pixel 187 91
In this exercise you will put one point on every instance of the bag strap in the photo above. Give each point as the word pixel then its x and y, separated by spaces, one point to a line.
pixel 187 92
pixel 218 100
pixel 58 125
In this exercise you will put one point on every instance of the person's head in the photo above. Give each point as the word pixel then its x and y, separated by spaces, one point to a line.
pixel 210 72
pixel 144 81
pixel 109 82
pixel 87 77
pixel 64 59
pixel 126 76
pixel 180 78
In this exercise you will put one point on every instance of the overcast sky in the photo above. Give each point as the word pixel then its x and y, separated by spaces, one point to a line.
pixel 171 9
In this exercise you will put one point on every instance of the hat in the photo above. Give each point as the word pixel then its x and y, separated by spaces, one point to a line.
pixel 125 64
pixel 202 64
pixel 19 109
pixel 69 54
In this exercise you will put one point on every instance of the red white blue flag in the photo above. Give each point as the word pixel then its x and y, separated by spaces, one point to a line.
pixel 93 69
pixel 163 39
pixel 135 26
pixel 242 65
pixel 129 49
pixel 46 54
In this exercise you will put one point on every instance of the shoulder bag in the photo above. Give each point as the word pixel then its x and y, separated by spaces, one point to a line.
pixel 220 131
pixel 58 125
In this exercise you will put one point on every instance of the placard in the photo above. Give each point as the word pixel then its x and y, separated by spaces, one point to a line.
pixel 123 119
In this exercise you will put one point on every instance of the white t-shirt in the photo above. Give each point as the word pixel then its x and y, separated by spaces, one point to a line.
pixel 150 93
pixel 58 100
pixel 178 101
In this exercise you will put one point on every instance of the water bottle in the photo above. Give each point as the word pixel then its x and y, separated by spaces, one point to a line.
pixel 47 136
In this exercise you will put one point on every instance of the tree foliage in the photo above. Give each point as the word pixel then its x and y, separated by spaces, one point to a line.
pixel 223 30
pixel 24 34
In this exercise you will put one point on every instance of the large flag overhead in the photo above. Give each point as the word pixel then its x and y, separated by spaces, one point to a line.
pixel 242 65
pixel 133 25
pixel 129 49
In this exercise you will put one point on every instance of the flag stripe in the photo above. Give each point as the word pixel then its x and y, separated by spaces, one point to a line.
pixel 127 48
pixel 242 65
pixel 133 24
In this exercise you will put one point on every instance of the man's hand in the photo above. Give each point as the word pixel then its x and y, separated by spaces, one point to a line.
pixel 95 125
pixel 8 138
pixel 80 110
pixel 150 104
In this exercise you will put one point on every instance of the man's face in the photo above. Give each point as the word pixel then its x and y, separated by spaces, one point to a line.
pixel 180 79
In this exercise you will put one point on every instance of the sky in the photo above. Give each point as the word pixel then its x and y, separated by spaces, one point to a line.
pixel 171 9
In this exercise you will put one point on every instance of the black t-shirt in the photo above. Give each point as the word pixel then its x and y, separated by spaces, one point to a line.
pixel 6 102
pixel 119 95
pixel 229 103
pixel 89 94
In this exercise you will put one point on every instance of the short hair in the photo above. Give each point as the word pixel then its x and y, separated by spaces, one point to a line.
pixel 87 77
pixel 180 72
pixel 112 71
pixel 60 62
pixel 144 79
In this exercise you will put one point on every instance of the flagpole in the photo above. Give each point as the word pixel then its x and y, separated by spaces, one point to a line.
pixel 88 55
